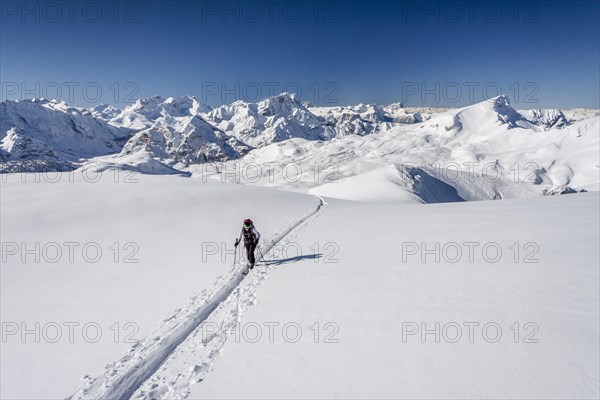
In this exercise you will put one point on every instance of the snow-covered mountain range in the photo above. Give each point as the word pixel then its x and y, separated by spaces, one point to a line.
pixel 174 135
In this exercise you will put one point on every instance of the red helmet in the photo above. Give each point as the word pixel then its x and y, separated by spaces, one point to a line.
pixel 248 223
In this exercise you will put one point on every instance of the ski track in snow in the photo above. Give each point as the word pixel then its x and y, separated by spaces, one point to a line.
pixel 180 353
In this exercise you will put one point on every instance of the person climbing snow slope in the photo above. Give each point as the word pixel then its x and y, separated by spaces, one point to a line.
pixel 251 237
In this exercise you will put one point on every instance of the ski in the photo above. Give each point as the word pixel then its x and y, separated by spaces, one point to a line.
pixel 247 269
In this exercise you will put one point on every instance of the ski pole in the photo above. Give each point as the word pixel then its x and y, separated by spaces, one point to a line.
pixel 261 253
pixel 235 255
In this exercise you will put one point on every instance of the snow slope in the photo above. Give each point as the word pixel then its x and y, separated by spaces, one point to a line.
pixel 394 183
pixel 160 221
pixel 363 288
pixel 340 269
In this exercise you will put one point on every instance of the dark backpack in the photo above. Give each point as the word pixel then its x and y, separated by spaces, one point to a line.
pixel 249 236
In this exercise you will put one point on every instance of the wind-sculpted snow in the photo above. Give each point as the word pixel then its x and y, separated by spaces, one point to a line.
pixel 177 343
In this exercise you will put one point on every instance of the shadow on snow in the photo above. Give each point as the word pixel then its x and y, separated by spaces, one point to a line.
pixel 292 259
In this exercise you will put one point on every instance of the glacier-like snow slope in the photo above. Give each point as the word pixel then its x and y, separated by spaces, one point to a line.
pixel 364 288
pixel 160 221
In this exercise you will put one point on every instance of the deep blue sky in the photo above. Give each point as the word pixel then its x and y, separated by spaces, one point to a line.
pixel 348 52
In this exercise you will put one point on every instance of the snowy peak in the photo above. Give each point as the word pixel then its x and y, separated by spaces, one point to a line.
pixel 184 106
pixel 284 104
pixel 484 116
pixel 71 132
pixel 186 140
pixel 139 115
pixel 506 114
pixel 542 118
pixel 271 120
pixel 546 118
pixel 365 119
pixel 287 106
pixel 144 112
pixel 498 101
pixel 104 112
pixel 147 105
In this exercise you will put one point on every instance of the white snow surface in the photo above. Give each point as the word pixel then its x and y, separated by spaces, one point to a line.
pixel 165 219
pixel 339 264
pixel 362 284
pixel 364 289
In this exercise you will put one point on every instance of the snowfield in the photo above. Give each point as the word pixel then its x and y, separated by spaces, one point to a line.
pixel 387 267
pixel 159 225
pixel 370 295
pixel 351 279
